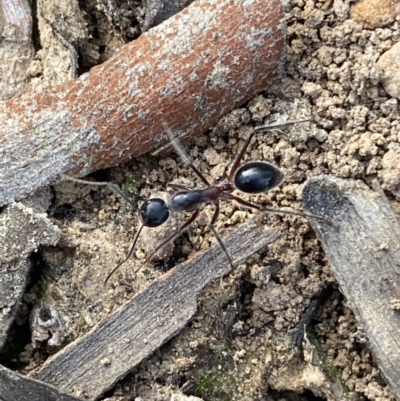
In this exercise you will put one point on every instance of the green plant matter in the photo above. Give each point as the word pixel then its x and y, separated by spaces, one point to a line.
pixel 216 387
pixel 130 187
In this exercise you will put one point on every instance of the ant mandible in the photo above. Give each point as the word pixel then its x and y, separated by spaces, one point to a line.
pixel 253 177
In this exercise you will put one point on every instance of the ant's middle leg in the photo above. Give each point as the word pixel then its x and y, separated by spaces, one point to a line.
pixel 216 234
pixel 179 187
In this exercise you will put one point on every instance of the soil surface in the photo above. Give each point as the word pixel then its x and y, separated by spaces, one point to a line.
pixel 238 345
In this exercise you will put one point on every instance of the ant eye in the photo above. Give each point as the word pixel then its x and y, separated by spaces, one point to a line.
pixel 257 177
pixel 153 212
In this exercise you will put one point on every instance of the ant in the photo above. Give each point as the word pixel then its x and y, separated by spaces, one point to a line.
pixel 252 177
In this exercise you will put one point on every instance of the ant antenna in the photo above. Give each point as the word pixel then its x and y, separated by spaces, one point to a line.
pixel 114 187
pixel 127 257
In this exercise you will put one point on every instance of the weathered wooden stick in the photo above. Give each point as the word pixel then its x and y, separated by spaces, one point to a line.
pixel 15 387
pixel 187 73
pixel 365 258
pixel 19 13
pixel 96 361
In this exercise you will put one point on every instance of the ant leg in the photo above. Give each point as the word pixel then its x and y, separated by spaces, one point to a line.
pixel 170 238
pixel 192 218
pixel 216 234
pixel 114 187
pixel 279 125
pixel 179 187
pixel 280 211
pixel 240 155
pixel 184 156
pixel 127 257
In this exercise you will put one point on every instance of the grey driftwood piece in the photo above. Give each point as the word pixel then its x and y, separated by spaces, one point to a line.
pixel 364 253
pixel 95 362
pixel 15 387
pixel 22 230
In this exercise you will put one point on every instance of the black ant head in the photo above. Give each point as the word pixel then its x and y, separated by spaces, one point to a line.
pixel 257 177
pixel 153 212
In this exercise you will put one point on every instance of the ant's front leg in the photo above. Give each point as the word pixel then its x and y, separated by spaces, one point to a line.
pixel 130 254
pixel 180 230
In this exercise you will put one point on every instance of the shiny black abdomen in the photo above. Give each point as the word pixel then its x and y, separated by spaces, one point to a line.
pixel 257 177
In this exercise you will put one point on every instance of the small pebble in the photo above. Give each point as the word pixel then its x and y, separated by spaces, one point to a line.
pixel 375 13
pixel 389 66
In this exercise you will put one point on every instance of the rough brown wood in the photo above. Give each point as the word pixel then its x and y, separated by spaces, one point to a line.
pixel 15 387
pixel 365 258
pixel 95 362
pixel 187 72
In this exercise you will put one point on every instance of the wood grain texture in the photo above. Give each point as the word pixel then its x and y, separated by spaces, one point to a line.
pixel 15 387
pixel 187 72
pixel 364 254
pixel 95 362
pixel 18 13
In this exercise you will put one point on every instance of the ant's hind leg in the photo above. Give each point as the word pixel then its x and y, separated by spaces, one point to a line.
pixel 280 211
